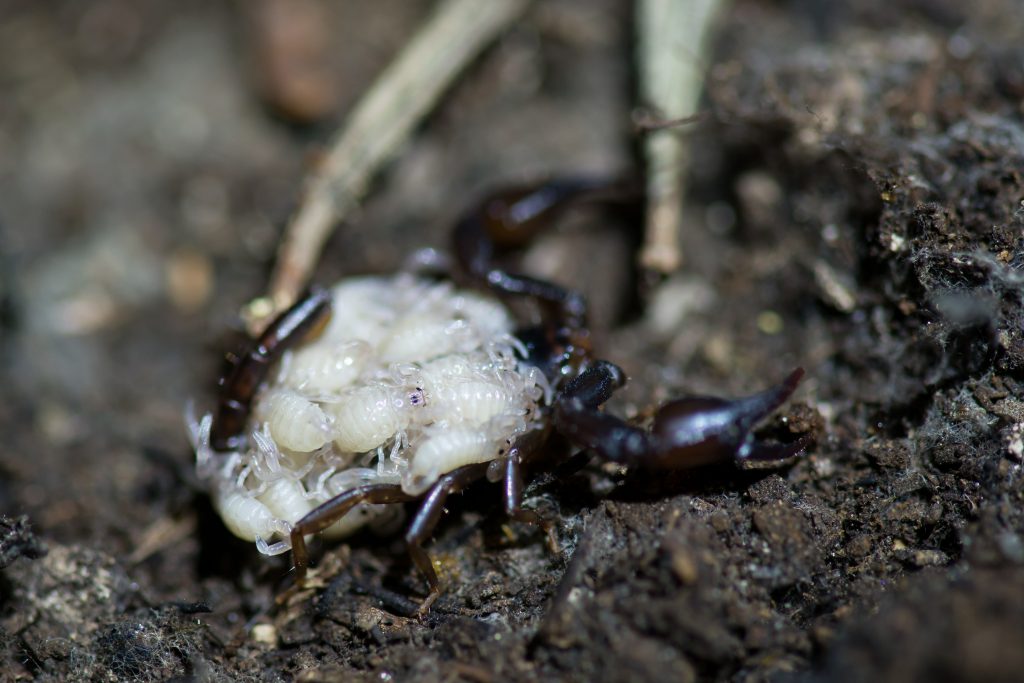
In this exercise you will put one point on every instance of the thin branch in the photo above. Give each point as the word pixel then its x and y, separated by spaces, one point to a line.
pixel 380 123
pixel 645 122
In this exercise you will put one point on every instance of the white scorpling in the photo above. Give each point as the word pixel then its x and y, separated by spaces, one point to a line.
pixel 410 380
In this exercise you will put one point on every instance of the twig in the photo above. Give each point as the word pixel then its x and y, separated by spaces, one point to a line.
pixel 645 122
pixel 402 95
pixel 672 45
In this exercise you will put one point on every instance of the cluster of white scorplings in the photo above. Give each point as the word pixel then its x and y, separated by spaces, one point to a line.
pixel 410 380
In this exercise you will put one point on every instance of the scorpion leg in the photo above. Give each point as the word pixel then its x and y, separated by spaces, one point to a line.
pixel 687 432
pixel 305 319
pixel 514 499
pixel 426 519
pixel 334 509
pixel 509 220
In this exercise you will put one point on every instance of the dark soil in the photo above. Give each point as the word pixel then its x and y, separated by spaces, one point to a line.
pixel 855 208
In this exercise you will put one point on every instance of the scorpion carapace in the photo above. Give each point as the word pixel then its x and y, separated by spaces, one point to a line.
pixel 417 399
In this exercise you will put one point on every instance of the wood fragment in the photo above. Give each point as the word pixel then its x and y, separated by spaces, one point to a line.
pixel 672 48
pixel 377 127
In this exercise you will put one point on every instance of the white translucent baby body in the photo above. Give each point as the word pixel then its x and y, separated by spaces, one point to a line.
pixel 261 493
pixel 324 368
pixel 410 379
pixel 367 416
pixel 295 422
pixel 444 449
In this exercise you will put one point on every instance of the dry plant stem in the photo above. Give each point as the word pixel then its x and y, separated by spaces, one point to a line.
pixel 377 127
pixel 672 45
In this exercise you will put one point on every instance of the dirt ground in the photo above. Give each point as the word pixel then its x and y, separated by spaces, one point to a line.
pixel 856 207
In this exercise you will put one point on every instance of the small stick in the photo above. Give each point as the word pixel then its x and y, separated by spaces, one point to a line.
pixel 643 122
pixel 382 120
pixel 672 47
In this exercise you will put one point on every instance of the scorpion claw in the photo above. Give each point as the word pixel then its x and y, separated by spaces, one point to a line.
pixel 772 454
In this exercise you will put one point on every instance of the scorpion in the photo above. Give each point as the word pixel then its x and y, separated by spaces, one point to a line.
pixel 392 390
